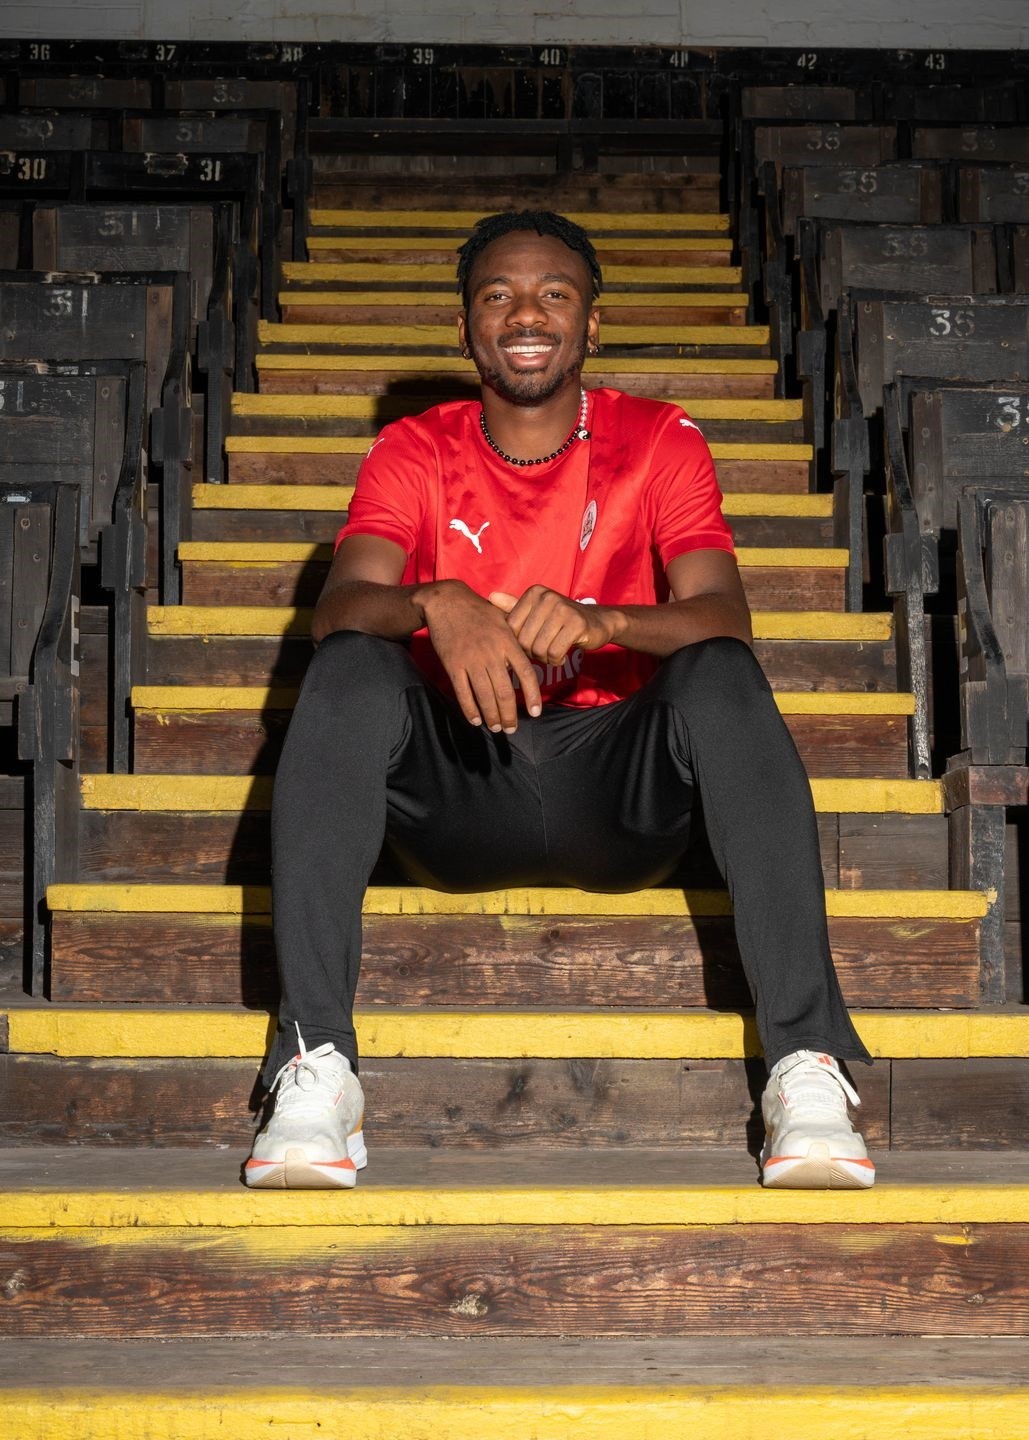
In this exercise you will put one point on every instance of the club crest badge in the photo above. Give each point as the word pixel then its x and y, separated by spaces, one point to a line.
pixel 589 524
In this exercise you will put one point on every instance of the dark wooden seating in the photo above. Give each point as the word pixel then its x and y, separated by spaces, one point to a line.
pixel 39 670
pixel 971 142
pixel 994 193
pixel 901 192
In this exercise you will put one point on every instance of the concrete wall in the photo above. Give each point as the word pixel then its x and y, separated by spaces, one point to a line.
pixel 920 24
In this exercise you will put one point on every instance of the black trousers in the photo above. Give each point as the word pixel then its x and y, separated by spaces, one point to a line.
pixel 599 799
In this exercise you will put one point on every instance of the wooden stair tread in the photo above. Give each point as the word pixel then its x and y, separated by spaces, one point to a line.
pixel 229 1031
pixel 379 407
pixel 142 1188
pixel 283 552
pixel 317 1363
pixel 272 332
pixel 405 299
pixel 766 451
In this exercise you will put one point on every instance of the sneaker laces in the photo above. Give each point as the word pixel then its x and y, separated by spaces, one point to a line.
pixel 814 1083
pixel 306 1086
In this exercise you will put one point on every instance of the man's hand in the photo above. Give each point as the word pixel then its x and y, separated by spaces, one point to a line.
pixel 480 654
pixel 548 625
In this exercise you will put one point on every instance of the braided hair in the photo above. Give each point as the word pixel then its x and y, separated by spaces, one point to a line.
pixel 544 222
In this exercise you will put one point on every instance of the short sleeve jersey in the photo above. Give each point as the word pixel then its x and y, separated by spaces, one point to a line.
pixel 600 523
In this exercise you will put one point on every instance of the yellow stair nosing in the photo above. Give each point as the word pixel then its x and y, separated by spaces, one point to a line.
pixel 276 620
pixel 374 407
pixel 273 552
pixel 335 498
pixel 399 1206
pixel 434 219
pixel 235 900
pixel 230 793
pixel 139 1032
pixel 183 699
pixel 385 243
pixel 766 451
pixel 552 1412
pixel 430 365
pixel 442 271
pixel 620 300
pixel 274 332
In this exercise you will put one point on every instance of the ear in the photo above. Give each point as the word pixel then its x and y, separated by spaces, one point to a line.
pixel 462 330
pixel 593 329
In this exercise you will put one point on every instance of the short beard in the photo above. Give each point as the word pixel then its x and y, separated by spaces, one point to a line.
pixel 530 389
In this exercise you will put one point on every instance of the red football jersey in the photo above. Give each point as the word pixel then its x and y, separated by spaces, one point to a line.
pixel 599 524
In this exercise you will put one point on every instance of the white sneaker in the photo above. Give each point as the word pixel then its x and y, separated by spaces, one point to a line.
pixel 313 1140
pixel 810 1143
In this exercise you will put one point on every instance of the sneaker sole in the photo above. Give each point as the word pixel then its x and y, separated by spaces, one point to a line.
pixel 817 1171
pixel 296 1172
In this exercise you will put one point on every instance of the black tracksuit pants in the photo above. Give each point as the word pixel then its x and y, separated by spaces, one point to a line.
pixel 599 799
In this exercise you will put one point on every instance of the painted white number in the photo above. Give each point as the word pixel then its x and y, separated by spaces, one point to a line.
pixel 823 140
pixel 975 142
pixel 936 60
pixel 30 129
pixel 865 181
pixel 292 52
pixel 553 56
pixel 680 59
pixel 39 52
pixel 110 224
pixel 807 59
pixel 901 244
pixel 423 55
pixel 164 52
pixel 31 168
pixel 84 89
pixel 1020 183
pixel 959 323
pixel 1010 417
pixel 225 94
pixel 3 396
pixel 210 170
pixel 59 304
pixel 184 134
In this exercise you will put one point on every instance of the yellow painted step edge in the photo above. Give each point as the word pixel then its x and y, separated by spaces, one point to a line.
pixel 228 793
pixel 489 1412
pixel 657 244
pixel 636 1035
pixel 272 620
pixel 252 900
pixel 271 553
pixel 375 407
pixel 598 220
pixel 445 364
pixel 335 498
pixel 358 444
pixel 680 1205
pixel 621 300
pixel 182 699
pixel 441 271
pixel 272 332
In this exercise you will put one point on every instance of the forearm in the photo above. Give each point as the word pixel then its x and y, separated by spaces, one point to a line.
pixel 393 612
pixel 662 629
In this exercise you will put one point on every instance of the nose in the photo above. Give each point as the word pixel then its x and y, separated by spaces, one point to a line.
pixel 526 310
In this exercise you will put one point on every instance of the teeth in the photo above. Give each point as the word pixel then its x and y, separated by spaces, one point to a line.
pixel 528 349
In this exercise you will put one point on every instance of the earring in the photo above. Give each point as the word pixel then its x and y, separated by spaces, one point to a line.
pixel 466 354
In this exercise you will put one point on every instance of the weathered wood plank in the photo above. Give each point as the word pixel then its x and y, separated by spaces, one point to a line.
pixel 502 961
pixel 902 850
pixel 255 660
pixel 463 1281
pixel 243 743
pixel 943 1104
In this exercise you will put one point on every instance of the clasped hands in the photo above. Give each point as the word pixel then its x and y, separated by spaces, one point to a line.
pixel 487 647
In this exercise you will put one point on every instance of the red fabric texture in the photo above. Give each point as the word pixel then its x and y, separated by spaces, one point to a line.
pixel 600 524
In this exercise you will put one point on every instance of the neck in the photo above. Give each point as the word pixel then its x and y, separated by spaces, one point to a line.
pixel 529 431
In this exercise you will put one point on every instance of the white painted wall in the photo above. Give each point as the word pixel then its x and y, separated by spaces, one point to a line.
pixel 919 24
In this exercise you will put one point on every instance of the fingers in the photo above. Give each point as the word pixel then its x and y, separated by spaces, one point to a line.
pixel 503 601
pixel 547 625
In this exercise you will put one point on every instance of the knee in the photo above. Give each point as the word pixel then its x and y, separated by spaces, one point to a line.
pixel 721 671
pixel 348 664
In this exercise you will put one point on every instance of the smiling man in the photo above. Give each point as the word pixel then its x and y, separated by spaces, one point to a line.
pixel 533 655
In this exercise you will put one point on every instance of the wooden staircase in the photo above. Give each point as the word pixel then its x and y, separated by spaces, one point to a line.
pixel 561 1231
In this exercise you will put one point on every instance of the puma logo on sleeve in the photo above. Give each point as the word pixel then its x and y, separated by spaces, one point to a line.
pixel 462 529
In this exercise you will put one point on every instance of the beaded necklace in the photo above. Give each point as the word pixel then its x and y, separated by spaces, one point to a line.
pixel 579 432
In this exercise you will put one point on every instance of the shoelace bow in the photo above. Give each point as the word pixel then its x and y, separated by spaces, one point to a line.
pixel 809 1088
pixel 307 1076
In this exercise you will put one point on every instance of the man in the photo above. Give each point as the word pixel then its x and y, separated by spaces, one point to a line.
pixel 533 648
